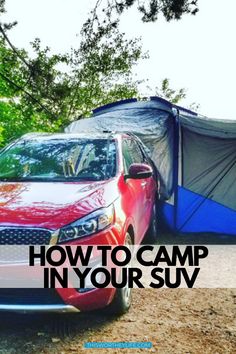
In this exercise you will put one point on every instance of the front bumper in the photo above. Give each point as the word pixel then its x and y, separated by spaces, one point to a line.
pixel 65 300
pixel 60 299
pixel 38 308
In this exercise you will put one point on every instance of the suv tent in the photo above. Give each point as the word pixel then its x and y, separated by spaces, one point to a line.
pixel 195 157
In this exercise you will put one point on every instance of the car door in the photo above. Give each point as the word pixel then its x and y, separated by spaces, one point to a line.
pixel 138 196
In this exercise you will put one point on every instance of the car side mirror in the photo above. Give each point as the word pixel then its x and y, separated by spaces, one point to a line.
pixel 139 171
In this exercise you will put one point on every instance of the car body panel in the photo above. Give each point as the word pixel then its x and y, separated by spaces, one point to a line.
pixel 43 204
pixel 53 205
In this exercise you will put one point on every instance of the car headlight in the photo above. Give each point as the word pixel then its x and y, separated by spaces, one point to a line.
pixel 88 225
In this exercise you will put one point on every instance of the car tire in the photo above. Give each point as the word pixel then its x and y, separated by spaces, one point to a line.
pixel 151 235
pixel 122 298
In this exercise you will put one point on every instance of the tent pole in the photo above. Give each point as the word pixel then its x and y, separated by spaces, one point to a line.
pixel 177 170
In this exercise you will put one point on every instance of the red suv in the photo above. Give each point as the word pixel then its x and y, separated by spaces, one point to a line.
pixel 76 189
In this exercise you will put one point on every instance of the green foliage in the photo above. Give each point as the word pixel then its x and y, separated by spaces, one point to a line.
pixel 174 96
pixel 16 120
pixel 37 94
pixel 6 26
pixel 150 9
pixel 47 92
pixel 194 106
pixel 11 66
pixel 1 136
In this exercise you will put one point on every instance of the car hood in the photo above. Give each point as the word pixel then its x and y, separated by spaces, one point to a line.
pixel 52 205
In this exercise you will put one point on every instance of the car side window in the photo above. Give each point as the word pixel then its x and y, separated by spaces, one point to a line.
pixel 131 153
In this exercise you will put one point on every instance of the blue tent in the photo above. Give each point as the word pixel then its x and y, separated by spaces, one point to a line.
pixel 195 157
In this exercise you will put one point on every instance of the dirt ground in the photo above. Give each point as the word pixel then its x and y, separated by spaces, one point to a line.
pixel 176 321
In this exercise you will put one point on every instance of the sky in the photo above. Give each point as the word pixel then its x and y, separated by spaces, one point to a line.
pixel 197 53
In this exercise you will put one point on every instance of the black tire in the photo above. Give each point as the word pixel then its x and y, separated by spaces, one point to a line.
pixel 122 299
pixel 151 235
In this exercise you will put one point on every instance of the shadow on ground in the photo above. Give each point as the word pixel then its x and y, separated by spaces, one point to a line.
pixel 38 330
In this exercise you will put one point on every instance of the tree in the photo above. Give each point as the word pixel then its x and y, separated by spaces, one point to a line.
pixel 174 96
pixel 6 26
pixel 150 9
pixel 36 95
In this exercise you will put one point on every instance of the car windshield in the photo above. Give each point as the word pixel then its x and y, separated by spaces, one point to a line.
pixel 59 160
